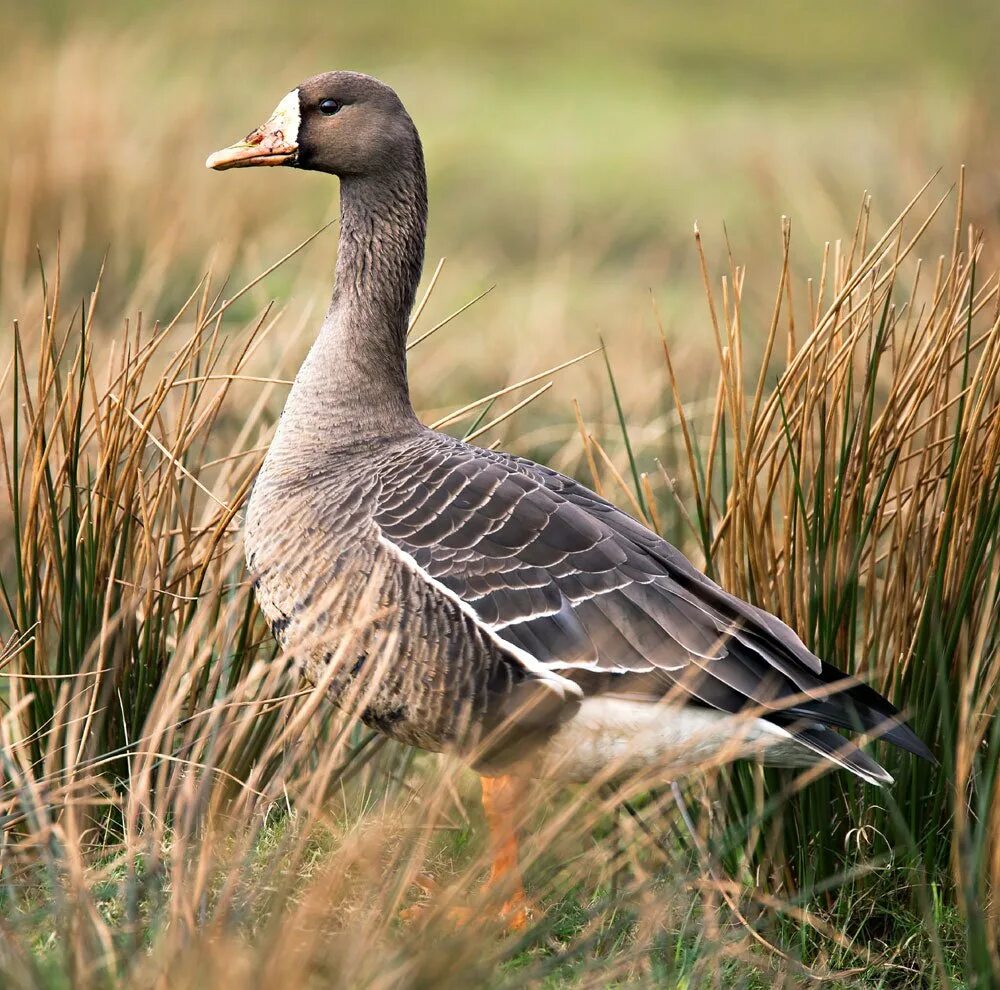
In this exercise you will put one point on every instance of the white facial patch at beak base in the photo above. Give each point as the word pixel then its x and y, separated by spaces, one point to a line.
pixel 285 119
pixel 273 143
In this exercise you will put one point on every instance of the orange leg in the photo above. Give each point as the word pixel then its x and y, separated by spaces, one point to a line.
pixel 503 802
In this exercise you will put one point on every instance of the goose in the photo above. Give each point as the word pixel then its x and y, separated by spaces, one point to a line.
pixel 532 626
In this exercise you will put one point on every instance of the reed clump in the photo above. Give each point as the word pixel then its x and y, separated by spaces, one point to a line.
pixel 180 810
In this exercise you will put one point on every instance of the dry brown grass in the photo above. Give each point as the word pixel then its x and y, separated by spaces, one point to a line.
pixel 178 810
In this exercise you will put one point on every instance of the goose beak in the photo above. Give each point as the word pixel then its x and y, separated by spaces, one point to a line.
pixel 273 143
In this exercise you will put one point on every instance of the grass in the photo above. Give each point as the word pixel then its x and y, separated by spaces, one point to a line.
pixel 175 801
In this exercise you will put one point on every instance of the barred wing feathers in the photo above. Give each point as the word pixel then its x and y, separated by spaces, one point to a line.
pixel 558 572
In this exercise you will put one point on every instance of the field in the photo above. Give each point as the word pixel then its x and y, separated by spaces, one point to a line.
pixel 770 234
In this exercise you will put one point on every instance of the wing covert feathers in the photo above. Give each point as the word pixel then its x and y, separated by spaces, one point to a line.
pixel 571 585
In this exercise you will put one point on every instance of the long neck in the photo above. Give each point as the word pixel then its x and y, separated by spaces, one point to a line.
pixel 353 383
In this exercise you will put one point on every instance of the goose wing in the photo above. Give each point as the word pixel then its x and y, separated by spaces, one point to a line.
pixel 555 570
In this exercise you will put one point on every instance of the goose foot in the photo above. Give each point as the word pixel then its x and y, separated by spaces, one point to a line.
pixel 513 916
pixel 503 805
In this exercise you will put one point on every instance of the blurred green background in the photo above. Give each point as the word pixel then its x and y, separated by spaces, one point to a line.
pixel 570 148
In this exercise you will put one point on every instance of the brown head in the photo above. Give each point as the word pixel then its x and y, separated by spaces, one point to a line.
pixel 344 123
pixel 355 127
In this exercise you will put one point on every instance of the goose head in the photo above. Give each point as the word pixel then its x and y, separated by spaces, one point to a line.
pixel 343 123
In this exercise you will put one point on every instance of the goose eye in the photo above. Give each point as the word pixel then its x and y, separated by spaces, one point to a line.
pixel 328 107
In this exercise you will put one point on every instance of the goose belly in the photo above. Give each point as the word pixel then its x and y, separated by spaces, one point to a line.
pixel 618 737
